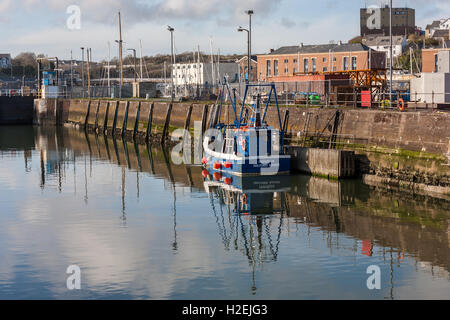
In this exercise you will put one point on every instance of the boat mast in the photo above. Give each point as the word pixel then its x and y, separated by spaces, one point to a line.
pixel 140 49
pixel 198 71
pixel 212 63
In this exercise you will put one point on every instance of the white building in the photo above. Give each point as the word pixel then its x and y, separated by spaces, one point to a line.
pixel 443 24
pixel 204 74
pixel 382 43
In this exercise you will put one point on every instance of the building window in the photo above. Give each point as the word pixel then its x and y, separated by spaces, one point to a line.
pixel 286 71
pixel 295 60
pixel 313 64
pixel 305 66
pixel 353 63
pixel 268 71
pixel 275 68
pixel 295 70
pixel 324 60
pixel 345 63
pixel 325 69
pixel 286 61
pixel 334 68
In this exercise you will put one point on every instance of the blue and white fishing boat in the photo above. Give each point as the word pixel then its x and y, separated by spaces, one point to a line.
pixel 248 146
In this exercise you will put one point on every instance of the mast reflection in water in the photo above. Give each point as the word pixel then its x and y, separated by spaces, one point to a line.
pixel 140 227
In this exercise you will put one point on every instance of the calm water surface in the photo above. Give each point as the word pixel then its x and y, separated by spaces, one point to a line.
pixel 140 227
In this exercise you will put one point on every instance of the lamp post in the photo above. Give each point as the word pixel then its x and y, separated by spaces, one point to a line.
pixel 82 68
pixel 171 30
pixel 240 29
pixel 249 12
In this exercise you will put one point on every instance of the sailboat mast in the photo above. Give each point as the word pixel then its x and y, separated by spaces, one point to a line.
pixel 109 59
pixel 140 49
pixel 212 63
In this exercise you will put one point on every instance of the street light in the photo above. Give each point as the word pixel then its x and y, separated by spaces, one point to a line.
pixel 171 30
pixel 240 29
pixel 249 12
pixel 82 68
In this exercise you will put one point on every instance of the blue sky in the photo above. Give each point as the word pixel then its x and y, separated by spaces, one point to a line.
pixel 40 25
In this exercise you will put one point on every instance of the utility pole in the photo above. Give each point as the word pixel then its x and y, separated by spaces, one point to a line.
pixel 171 30
pixel 82 68
pixel 390 50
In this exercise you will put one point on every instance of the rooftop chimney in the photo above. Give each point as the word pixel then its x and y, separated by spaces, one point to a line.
pixel 272 50
pixel 301 45
pixel 340 43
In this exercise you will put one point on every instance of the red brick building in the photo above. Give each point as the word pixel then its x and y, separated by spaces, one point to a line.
pixel 280 64
pixel 429 59
pixel 243 66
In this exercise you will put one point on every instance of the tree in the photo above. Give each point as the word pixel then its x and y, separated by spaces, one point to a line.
pixel 25 59
pixel 404 61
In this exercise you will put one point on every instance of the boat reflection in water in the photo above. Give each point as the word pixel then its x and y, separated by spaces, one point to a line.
pixel 243 208
pixel 249 195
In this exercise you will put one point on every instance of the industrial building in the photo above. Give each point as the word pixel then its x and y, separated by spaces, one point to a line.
pixel 376 21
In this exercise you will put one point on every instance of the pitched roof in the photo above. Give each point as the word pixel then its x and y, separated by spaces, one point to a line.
pixel 5 55
pixel 253 58
pixel 435 24
pixel 383 40
pixel 441 33
pixel 321 48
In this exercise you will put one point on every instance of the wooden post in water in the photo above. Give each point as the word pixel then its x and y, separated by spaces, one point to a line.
pixel 204 117
pixel 150 120
pixel 87 114
pixel 188 118
pixel 166 124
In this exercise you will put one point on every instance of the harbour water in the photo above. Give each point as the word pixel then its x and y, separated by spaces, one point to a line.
pixel 140 227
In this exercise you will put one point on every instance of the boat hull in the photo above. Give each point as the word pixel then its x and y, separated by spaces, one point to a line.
pixel 255 166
